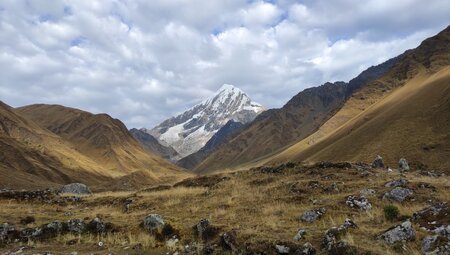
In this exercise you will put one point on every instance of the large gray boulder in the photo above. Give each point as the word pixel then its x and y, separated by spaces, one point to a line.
pixel 398 194
pixel 402 232
pixel 154 223
pixel 76 188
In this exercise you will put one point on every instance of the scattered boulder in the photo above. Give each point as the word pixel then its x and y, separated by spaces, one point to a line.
pixel 300 234
pixel 367 192
pixel 340 165
pixel 229 241
pixel 76 188
pixel 202 226
pixel 397 183
pixel 348 223
pixel 153 222
pixel 53 229
pixel 204 230
pixel 8 233
pixel 282 249
pixel 30 233
pixel 435 244
pixel 398 194
pixel 306 249
pixel 361 203
pixel 378 162
pixel 434 218
pixel 172 242
pixel 403 165
pixel 99 227
pixel 76 226
pixel 331 241
pixel 313 215
pixel 402 232
pixel 332 188
pixel 425 185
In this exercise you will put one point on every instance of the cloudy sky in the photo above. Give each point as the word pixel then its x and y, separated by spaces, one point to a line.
pixel 144 61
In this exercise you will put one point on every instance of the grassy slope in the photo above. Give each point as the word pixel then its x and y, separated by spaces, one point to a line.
pixel 383 117
pixel 33 157
pixel 275 129
pixel 411 122
pixel 259 206
pixel 104 140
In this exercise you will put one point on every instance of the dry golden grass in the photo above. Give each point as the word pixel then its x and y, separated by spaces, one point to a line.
pixel 258 206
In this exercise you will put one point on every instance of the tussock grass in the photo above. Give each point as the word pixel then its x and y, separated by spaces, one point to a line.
pixel 259 211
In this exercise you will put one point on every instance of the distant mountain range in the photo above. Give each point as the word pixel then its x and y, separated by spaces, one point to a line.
pixel 398 109
pixel 190 131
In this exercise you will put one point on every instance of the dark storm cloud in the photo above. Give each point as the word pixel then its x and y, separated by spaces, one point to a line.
pixel 144 61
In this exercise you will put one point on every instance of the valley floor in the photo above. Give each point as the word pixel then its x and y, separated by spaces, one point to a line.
pixel 259 208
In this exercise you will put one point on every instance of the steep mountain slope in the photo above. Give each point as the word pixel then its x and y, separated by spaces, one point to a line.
pixel 152 144
pixel 189 131
pixel 225 133
pixel 33 157
pixel 104 140
pixel 405 113
pixel 276 129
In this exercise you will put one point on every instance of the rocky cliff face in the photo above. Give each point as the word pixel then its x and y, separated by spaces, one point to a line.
pixel 189 131
pixel 223 135
pixel 152 144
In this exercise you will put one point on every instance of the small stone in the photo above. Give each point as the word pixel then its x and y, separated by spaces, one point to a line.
pixel 367 192
pixel 300 235
pixel 397 183
pixel 361 203
pixel 307 249
pixel 313 215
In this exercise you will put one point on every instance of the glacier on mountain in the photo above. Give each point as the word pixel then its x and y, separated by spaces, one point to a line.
pixel 189 131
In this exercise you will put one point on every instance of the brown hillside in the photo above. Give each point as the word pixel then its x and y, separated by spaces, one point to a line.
pixel 32 157
pixel 275 129
pixel 405 113
pixel 103 139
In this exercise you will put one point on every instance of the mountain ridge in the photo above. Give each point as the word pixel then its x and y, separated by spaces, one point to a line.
pixel 415 91
pixel 188 132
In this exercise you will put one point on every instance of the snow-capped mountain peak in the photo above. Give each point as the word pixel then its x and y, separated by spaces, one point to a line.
pixel 189 131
